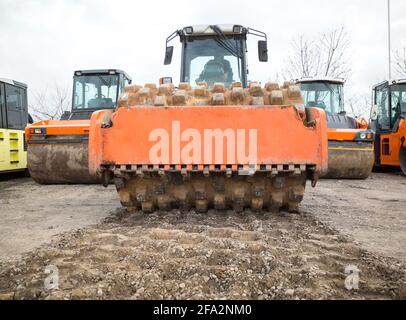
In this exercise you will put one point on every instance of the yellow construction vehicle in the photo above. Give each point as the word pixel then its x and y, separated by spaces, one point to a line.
pixel 13 119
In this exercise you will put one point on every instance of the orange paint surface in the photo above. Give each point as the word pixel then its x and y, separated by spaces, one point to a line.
pixel 342 134
pixel 282 137
pixel 390 146
pixel 60 127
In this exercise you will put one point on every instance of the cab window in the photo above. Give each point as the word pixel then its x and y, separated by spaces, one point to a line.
pixel 16 107
pixel 2 111
pixel 327 96
pixel 14 98
pixel 123 83
pixel 382 102
pixel 95 92
pixel 398 102
pixel 211 61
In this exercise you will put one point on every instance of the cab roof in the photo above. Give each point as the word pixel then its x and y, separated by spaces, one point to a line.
pixel 393 82
pixel 102 71
pixel 399 81
pixel 13 82
pixel 321 79
pixel 205 29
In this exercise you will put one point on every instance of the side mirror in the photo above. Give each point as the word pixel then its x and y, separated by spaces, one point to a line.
pixel 263 51
pixel 374 113
pixel 168 55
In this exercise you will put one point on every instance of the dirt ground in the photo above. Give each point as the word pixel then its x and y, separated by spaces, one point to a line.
pixel 371 212
pixel 32 214
pixel 103 252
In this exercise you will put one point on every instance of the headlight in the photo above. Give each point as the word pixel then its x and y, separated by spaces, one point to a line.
pixel 237 29
pixel 365 136
pixel 188 30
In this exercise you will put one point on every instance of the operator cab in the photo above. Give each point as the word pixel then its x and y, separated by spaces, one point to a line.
pixel 327 94
pixel 95 90
pixel 13 105
pixel 390 100
pixel 215 53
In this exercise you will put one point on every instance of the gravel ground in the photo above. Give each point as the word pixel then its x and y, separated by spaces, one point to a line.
pixel 32 215
pixel 194 256
pixel 371 212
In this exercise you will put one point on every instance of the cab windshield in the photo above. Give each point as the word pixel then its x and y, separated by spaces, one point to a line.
pixel 389 114
pixel 398 100
pixel 213 60
pixel 95 92
pixel 326 96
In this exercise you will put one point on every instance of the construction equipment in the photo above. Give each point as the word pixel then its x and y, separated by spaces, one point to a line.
pixel 388 119
pixel 13 119
pixel 350 142
pixel 58 149
pixel 220 144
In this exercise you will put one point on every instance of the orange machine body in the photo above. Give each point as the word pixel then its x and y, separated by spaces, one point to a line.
pixel 57 128
pixel 279 141
pixel 344 134
pixel 391 145
pixel 350 134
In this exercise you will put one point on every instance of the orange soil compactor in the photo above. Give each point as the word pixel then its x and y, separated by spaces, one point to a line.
pixel 213 141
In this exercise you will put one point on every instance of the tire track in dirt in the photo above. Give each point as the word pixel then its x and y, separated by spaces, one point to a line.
pixel 194 256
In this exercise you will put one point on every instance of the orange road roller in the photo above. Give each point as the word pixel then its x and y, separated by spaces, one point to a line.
pixel 58 149
pixel 350 142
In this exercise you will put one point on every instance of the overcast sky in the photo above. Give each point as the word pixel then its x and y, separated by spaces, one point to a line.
pixel 44 41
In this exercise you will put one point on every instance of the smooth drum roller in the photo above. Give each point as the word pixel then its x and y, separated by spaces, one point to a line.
pixel 349 160
pixel 61 161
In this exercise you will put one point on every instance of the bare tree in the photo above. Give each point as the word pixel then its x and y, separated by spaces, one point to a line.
pixel 50 105
pixel 359 105
pixel 304 60
pixel 400 62
pixel 327 55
